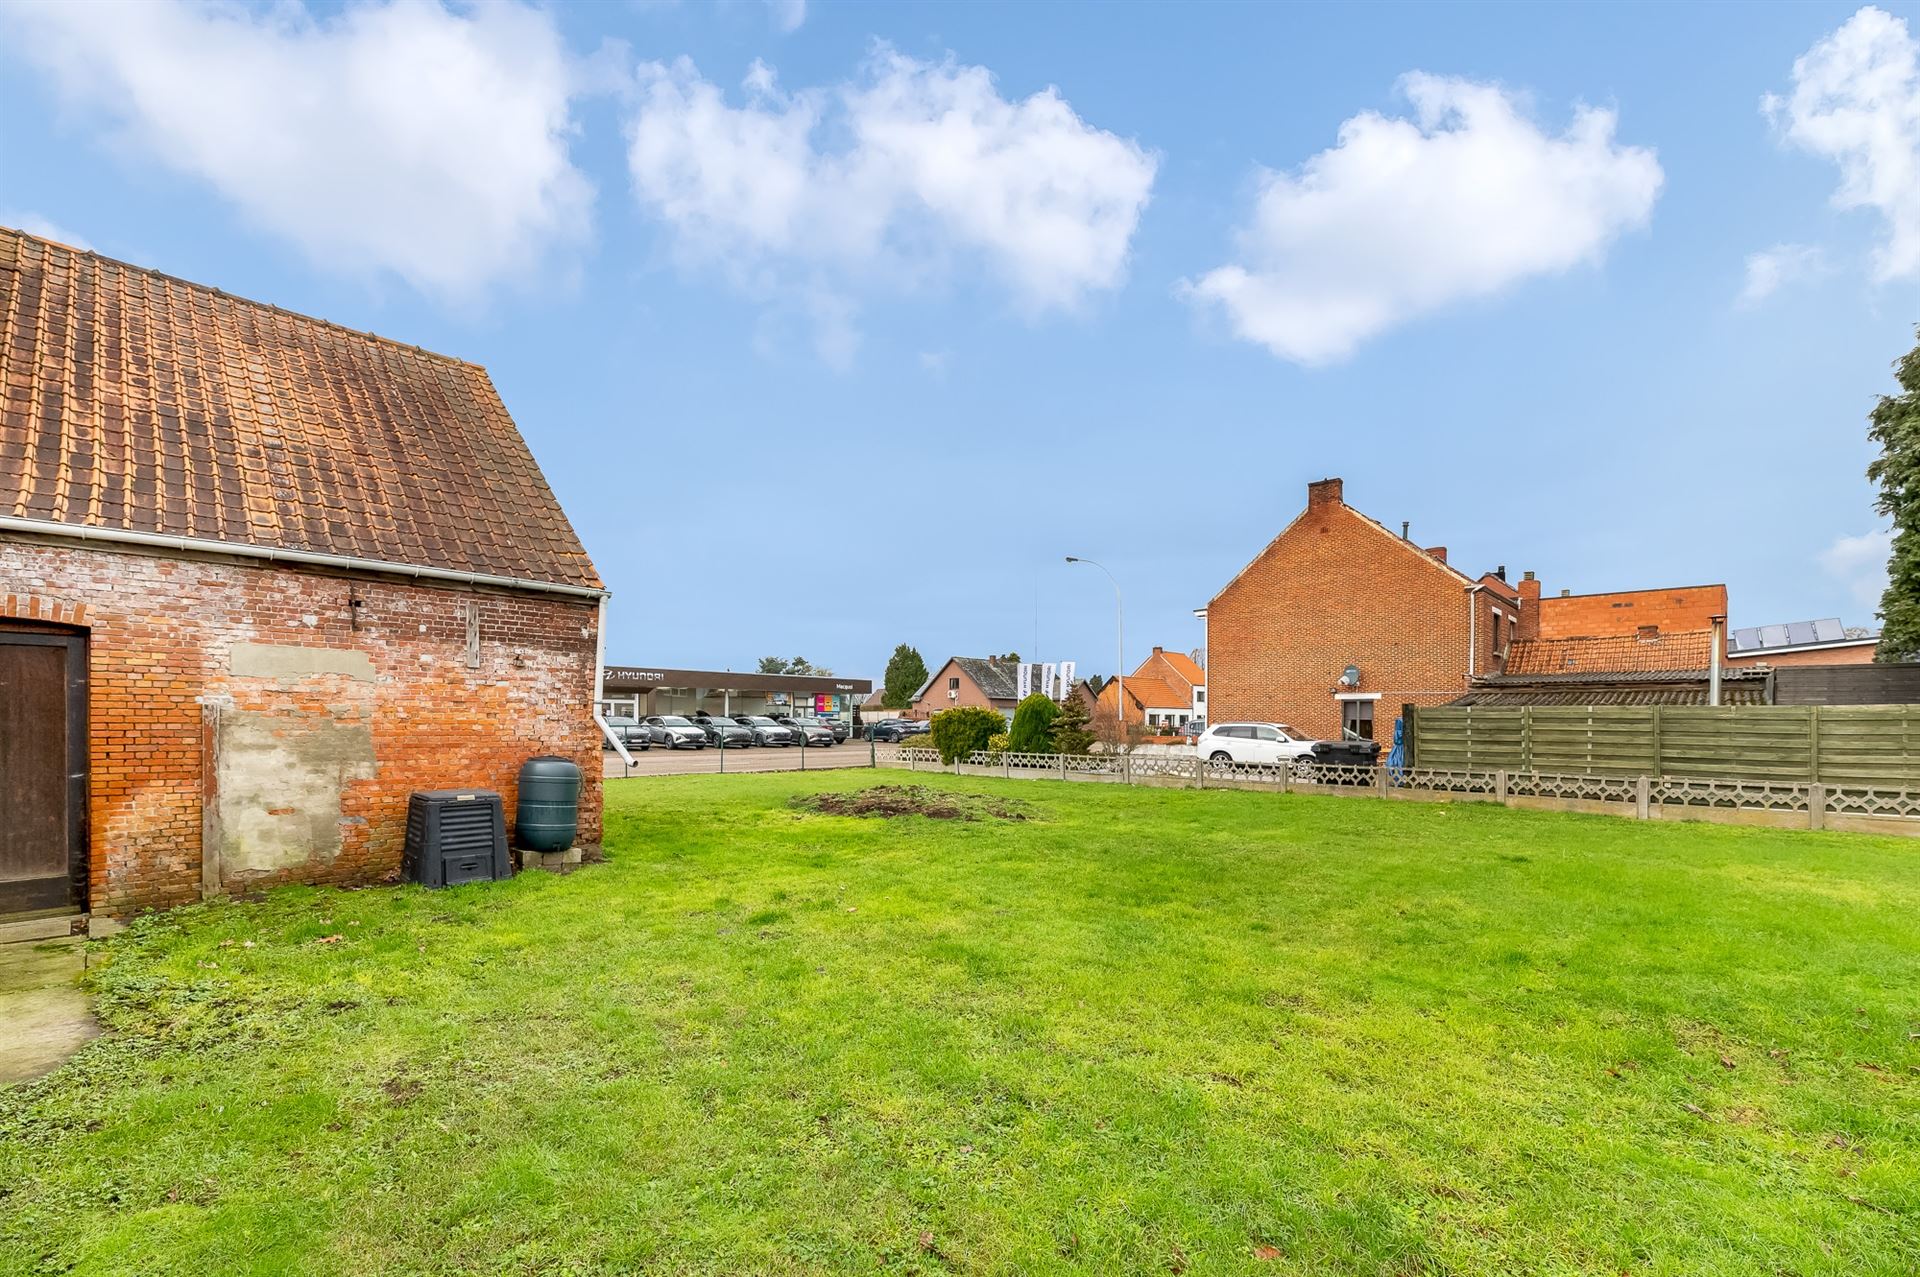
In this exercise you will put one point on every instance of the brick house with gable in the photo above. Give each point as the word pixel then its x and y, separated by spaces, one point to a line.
pixel 261 577
pixel 1336 589
pixel 986 682
pixel 1168 688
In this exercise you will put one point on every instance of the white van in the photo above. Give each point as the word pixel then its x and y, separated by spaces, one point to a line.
pixel 1272 743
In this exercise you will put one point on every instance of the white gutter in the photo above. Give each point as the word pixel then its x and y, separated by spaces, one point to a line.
pixel 600 683
pixel 1473 626
pixel 197 545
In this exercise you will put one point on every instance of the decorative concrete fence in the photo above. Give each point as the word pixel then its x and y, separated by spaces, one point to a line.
pixel 1777 804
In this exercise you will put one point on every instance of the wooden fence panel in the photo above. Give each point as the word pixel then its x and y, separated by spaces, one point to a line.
pixel 1875 746
pixel 1592 739
pixel 1844 745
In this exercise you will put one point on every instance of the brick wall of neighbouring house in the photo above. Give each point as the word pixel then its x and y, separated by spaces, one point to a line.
pixel 1336 589
pixel 1858 654
pixel 207 670
pixel 1597 615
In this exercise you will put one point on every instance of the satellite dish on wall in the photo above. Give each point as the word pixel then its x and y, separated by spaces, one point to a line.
pixel 1350 677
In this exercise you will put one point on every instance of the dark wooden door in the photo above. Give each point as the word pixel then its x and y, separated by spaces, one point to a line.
pixel 43 770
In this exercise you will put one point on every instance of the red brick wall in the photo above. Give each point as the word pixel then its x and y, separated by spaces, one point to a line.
pixel 161 634
pixel 1595 615
pixel 1859 654
pixel 1336 589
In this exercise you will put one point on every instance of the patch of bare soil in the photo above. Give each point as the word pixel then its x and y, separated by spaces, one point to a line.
pixel 911 800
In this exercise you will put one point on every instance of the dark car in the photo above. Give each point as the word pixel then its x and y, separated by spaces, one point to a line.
pixel 766 731
pixel 812 731
pixel 631 732
pixel 675 732
pixel 723 732
pixel 1340 762
pixel 838 726
pixel 896 729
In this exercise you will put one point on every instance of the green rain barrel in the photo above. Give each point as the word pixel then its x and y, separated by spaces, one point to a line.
pixel 548 814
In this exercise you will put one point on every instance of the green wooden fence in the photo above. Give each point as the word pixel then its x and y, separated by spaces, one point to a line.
pixel 1859 745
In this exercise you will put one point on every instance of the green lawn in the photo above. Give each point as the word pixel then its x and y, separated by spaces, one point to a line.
pixel 1142 1031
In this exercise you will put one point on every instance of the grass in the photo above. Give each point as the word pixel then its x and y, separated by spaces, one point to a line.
pixel 1140 1031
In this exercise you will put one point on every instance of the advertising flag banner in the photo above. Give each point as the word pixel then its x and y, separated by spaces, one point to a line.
pixel 1024 680
pixel 1046 681
pixel 1066 678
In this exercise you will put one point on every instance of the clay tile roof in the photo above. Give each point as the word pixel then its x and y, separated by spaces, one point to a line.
pixel 1625 654
pixel 133 401
pixel 1691 692
pixel 1185 667
pixel 1153 693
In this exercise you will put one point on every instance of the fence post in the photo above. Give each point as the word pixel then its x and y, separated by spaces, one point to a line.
pixel 913 764
pixel 1500 786
pixel 1063 767
pixel 1199 770
pixel 1813 744
pixel 1816 806
pixel 1642 798
pixel 1379 781
pixel 1126 769
pixel 1006 763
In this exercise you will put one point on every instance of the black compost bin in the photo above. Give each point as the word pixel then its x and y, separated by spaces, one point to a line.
pixel 455 836
pixel 548 814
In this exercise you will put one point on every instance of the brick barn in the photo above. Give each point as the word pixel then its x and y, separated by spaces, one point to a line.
pixel 261 577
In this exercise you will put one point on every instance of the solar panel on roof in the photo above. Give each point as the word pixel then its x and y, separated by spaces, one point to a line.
pixel 1757 638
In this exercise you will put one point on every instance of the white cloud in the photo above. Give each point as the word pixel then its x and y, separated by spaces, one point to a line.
pixel 1860 564
pixel 1405 216
pixel 886 181
pixel 398 137
pixel 1770 269
pixel 788 15
pixel 34 224
pixel 1856 101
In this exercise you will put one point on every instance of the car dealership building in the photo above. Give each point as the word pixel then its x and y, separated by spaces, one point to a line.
pixel 640 690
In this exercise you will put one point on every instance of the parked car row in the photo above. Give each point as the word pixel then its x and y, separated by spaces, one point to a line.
pixel 740 731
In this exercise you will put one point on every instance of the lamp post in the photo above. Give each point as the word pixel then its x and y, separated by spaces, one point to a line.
pixel 1120 650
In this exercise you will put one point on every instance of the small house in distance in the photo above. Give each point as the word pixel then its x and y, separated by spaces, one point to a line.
pixel 261 577
pixel 1166 690
pixel 984 681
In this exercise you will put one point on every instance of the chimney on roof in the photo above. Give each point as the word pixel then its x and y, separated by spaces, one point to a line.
pixel 1404 525
pixel 1566 594
pixel 1501 571
pixel 1529 607
pixel 1157 651
pixel 1324 493
pixel 1438 551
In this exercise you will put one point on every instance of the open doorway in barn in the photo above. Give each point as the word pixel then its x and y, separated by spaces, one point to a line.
pixel 43 769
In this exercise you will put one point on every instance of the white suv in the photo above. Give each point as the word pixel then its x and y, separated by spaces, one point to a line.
pixel 1271 743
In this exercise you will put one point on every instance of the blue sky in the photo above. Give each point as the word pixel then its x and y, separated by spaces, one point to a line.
pixel 1551 283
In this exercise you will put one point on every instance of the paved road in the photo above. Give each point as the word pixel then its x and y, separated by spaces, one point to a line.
pixel 700 762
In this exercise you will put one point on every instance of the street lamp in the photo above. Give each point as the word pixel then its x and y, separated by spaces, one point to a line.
pixel 1120 649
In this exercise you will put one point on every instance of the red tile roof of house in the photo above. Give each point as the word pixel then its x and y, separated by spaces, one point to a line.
pixel 1624 654
pixel 1186 667
pixel 136 402
pixel 1150 692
